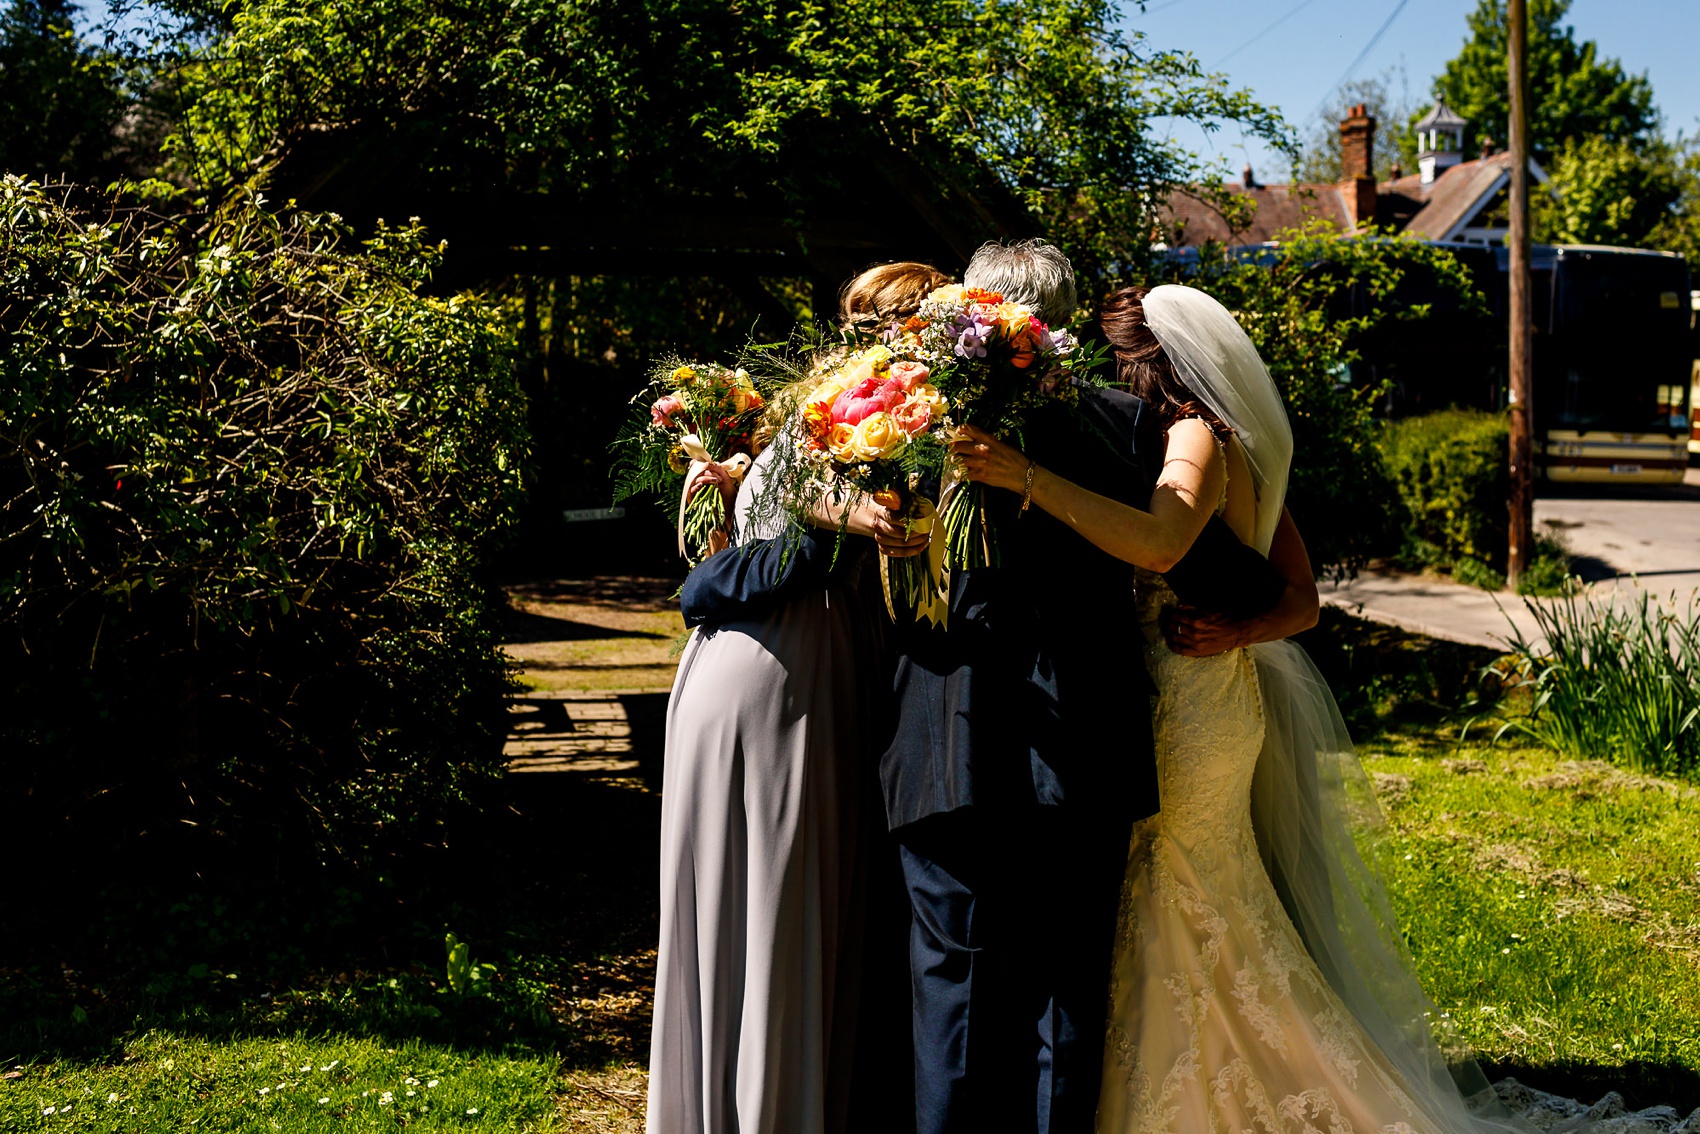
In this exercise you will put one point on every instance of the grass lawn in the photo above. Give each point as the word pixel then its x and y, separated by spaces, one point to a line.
pixel 1554 910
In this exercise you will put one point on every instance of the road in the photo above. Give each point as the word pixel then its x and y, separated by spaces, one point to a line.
pixel 1653 536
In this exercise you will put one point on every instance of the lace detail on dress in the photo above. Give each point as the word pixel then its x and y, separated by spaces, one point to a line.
pixel 1221 1021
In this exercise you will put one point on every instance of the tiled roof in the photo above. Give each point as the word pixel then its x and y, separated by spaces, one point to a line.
pixel 1456 194
pixel 1192 221
pixel 1405 204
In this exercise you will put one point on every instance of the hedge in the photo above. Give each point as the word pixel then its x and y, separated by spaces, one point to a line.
pixel 249 475
pixel 1451 473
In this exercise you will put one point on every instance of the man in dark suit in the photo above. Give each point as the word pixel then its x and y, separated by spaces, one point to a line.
pixel 1021 760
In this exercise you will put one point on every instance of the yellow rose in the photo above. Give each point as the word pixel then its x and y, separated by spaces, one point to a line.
pixel 858 371
pixel 840 442
pixel 683 375
pixel 950 293
pixel 1013 318
pixel 827 392
pixel 877 436
pixel 877 357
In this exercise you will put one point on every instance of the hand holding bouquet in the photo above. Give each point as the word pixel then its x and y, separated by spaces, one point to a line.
pixel 868 427
pixel 690 436
pixel 995 363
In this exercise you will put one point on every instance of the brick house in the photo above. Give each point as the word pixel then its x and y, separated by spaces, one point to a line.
pixel 1447 199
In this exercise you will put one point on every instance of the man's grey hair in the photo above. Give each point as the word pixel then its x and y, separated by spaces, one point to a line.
pixel 1032 272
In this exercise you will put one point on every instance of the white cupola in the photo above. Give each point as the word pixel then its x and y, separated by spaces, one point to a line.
pixel 1440 141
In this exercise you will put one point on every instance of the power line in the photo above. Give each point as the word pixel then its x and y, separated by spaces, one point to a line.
pixel 1303 4
pixel 1368 47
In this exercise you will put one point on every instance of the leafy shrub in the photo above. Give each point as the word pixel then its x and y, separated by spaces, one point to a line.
pixel 1451 471
pixel 247 474
pixel 1615 680
pixel 1308 307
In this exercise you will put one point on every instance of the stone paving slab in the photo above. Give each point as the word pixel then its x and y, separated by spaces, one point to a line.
pixel 554 731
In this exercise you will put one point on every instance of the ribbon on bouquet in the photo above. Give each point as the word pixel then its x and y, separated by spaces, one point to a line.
pixel 725 476
pixel 931 606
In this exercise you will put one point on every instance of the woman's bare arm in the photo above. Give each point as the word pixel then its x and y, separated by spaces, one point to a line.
pixel 1191 483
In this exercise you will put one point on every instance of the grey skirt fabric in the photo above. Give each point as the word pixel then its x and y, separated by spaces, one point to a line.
pixel 760 831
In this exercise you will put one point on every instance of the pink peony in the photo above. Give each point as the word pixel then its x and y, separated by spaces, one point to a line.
pixel 664 408
pixel 866 398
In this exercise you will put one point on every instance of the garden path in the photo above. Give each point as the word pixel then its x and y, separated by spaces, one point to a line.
pixel 1623 542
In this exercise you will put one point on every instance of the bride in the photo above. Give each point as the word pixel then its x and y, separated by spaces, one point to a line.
pixel 1234 1007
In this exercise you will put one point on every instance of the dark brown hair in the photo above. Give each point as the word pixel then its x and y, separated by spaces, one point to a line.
pixel 887 293
pixel 1141 366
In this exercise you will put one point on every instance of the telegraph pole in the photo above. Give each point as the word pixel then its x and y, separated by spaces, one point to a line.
pixel 1522 325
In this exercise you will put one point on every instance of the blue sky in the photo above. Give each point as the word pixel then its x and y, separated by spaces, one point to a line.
pixel 1297 64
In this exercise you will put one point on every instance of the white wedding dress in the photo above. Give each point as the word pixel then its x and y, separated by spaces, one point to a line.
pixel 1234 1007
pixel 1221 1020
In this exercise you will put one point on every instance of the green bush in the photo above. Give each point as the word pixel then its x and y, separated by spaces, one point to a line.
pixel 1451 473
pixel 248 473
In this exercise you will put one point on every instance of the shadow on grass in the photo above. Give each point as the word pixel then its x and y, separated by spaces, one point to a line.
pixel 1641 1084
pixel 1385 678
pixel 556 891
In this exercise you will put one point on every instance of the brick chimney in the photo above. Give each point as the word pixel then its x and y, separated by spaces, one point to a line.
pixel 1357 165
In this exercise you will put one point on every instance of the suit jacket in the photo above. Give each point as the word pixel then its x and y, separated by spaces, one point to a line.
pixel 1037 693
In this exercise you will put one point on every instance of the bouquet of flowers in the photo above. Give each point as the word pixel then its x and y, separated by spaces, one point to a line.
pixel 995 363
pixel 869 426
pixel 689 412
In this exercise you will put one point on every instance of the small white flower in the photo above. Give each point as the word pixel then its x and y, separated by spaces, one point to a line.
pixel 265 1090
pixel 472 1110
pixel 55 1110
pixel 411 1082
pixel 305 1067
pixel 431 1083
pixel 113 1097
pixel 385 1101
pixel 324 1100
pixel 1505 950
pixel 330 1065
pixel 1617 1047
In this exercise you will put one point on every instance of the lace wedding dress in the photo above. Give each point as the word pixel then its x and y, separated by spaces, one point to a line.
pixel 1221 1020
pixel 1261 983
pixel 1223 1016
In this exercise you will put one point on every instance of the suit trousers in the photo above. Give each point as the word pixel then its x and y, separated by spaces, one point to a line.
pixel 1011 939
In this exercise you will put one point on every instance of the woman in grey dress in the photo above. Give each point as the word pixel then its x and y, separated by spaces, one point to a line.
pixel 767 745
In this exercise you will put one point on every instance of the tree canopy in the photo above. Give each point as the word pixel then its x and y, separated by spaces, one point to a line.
pixel 978 116
pixel 1575 93
pixel 58 98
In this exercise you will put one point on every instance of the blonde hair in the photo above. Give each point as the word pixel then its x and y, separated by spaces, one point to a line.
pixel 886 293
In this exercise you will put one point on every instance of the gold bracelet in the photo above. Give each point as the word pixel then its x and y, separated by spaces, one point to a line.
pixel 1027 489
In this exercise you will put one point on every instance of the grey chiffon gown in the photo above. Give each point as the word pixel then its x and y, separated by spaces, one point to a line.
pixel 761 825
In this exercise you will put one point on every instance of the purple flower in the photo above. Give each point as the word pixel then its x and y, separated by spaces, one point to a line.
pixel 973 329
pixel 1062 342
